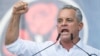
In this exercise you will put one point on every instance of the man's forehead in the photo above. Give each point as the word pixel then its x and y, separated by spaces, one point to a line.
pixel 66 12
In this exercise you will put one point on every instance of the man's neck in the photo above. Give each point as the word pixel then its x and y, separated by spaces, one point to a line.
pixel 68 44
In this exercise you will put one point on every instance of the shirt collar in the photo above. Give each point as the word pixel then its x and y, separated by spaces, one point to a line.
pixel 80 44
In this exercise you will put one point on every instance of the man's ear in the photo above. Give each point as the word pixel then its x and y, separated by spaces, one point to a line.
pixel 80 25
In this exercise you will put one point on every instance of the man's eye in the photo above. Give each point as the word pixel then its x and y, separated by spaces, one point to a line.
pixel 59 20
pixel 69 19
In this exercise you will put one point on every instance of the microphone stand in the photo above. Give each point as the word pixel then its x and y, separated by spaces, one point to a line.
pixel 48 46
pixel 44 48
pixel 80 47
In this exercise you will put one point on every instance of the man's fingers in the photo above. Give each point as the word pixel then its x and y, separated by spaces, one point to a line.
pixel 20 4
pixel 23 3
pixel 23 11
pixel 20 7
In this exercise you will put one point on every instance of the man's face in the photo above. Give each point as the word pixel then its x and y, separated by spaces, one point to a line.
pixel 68 22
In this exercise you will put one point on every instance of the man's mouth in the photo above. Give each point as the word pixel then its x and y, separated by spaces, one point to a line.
pixel 64 30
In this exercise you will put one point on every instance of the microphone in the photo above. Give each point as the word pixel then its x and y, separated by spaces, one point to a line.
pixel 48 46
pixel 59 35
pixel 81 48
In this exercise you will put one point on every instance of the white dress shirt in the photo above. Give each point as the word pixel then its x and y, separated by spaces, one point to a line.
pixel 29 48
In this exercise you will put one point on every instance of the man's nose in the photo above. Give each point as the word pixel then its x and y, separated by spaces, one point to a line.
pixel 64 23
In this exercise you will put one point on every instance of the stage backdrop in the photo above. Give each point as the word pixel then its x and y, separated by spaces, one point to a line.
pixel 39 23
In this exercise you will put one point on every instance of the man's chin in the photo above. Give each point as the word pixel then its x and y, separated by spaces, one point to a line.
pixel 67 38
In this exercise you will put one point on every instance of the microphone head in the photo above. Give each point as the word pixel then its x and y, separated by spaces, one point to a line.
pixel 71 36
pixel 59 35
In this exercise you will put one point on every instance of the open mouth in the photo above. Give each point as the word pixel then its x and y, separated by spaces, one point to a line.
pixel 65 33
pixel 65 30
